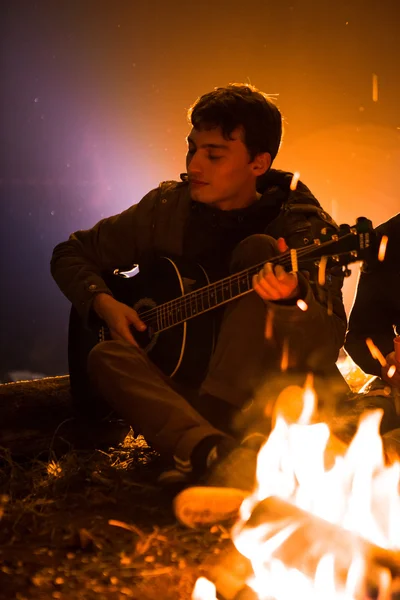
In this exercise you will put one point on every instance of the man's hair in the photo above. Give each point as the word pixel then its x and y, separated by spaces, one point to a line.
pixel 240 105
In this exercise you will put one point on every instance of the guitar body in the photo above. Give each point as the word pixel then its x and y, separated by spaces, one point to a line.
pixel 182 351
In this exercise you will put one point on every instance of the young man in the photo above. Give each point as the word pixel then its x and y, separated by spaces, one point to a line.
pixel 231 211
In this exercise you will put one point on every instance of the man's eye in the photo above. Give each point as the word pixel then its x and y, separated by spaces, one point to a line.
pixel 211 157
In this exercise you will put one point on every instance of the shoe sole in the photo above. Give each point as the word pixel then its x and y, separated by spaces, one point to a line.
pixel 203 506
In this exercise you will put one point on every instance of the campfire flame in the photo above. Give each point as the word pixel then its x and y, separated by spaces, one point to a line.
pixel 358 494
pixel 204 589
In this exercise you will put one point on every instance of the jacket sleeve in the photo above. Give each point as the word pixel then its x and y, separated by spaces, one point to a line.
pixel 77 264
pixel 372 316
pixel 313 337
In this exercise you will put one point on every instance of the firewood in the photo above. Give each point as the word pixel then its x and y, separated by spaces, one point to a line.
pixel 314 537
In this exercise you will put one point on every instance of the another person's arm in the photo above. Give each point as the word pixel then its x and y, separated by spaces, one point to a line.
pixel 372 316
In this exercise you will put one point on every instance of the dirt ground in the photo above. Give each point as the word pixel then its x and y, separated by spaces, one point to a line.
pixel 92 524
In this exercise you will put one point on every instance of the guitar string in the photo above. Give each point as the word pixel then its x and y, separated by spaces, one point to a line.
pixel 164 310
pixel 188 307
pixel 205 290
pixel 185 302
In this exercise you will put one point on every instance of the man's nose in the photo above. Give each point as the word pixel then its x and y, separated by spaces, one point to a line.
pixel 195 164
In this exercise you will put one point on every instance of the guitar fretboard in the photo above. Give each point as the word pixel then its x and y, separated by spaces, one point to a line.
pixel 215 294
pixel 210 296
pixel 202 300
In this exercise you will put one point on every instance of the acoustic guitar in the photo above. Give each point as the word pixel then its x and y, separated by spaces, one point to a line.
pixel 176 301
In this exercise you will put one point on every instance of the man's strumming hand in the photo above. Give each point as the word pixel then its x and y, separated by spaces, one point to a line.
pixel 119 317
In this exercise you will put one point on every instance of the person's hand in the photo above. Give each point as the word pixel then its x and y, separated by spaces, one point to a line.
pixel 119 318
pixel 275 283
pixel 395 379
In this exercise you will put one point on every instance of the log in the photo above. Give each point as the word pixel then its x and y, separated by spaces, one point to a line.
pixel 318 537
pixel 39 417
pixel 303 550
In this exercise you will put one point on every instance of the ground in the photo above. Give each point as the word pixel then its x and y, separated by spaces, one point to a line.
pixel 92 524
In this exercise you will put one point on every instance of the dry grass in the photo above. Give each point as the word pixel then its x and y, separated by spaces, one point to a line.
pixel 94 525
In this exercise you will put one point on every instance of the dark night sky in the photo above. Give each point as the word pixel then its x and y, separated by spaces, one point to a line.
pixel 94 98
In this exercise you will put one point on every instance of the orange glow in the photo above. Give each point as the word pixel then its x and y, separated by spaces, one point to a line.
pixel 382 248
pixel 374 87
pixel 269 325
pixel 302 305
pixel 293 258
pixel 309 401
pixel 322 270
pixel 295 180
pixel 204 590
pixel 391 371
pixel 285 356
pixel 375 352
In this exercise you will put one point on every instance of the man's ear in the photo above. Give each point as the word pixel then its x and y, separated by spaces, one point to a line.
pixel 261 163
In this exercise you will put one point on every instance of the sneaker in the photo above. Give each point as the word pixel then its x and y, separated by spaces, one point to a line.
pixel 177 475
pixel 209 451
pixel 224 488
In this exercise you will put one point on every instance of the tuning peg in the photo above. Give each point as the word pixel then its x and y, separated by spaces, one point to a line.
pixel 346 272
pixel 363 224
pixel 344 228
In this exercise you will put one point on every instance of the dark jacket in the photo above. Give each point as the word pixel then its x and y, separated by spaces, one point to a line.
pixel 157 225
pixel 376 310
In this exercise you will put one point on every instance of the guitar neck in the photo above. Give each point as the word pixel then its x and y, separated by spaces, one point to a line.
pixel 207 298
pixel 348 245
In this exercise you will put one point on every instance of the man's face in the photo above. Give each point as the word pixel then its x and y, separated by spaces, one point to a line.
pixel 220 171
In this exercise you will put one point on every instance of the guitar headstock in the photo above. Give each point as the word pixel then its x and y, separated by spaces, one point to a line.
pixel 348 245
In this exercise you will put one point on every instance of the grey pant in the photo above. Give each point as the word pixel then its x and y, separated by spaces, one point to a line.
pixel 153 405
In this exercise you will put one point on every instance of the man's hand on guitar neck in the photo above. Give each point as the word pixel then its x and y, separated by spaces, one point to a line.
pixel 276 284
pixel 119 317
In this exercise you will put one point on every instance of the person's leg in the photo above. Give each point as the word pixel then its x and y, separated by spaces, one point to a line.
pixel 242 361
pixel 237 366
pixel 221 414
pixel 145 398
pixel 242 355
pixel 246 367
